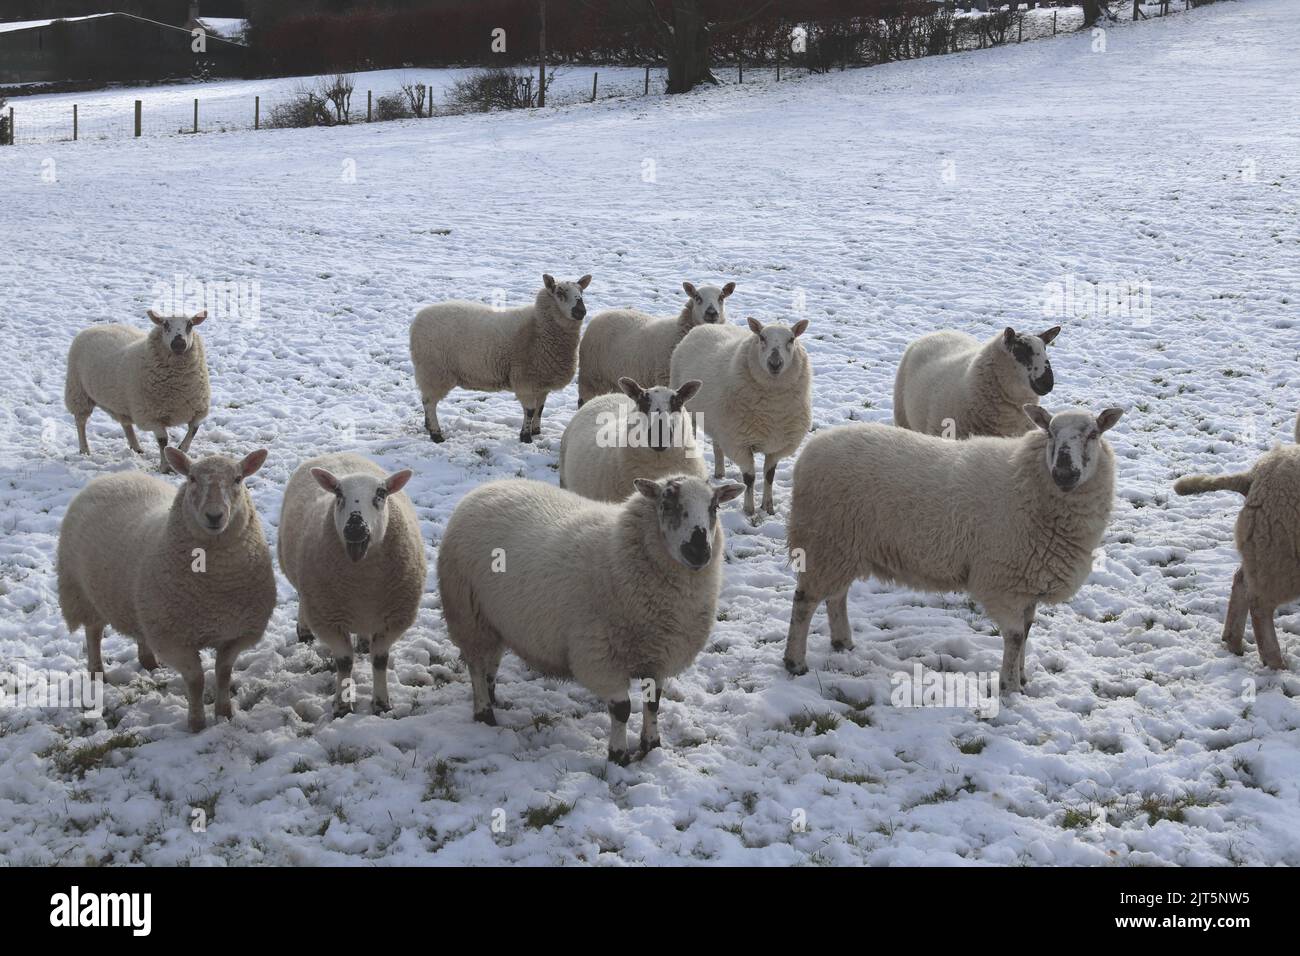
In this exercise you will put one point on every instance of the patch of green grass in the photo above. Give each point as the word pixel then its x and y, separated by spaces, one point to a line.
pixel 441 785
pixel 301 765
pixel 92 756
pixel 538 817
pixel 946 793
pixel 347 755
pixel 1172 809
pixel 973 746
pixel 1076 819
pixel 822 723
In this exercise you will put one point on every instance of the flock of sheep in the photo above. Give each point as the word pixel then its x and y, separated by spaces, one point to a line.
pixel 614 576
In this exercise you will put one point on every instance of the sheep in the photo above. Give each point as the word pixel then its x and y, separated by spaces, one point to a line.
pixel 756 397
pixel 350 545
pixel 594 592
pixel 155 380
pixel 1268 539
pixel 176 569
pixel 626 343
pixel 1011 521
pixel 951 385
pixel 614 439
pixel 531 350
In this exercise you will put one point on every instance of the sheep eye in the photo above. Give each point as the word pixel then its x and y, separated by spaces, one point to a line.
pixel 239 479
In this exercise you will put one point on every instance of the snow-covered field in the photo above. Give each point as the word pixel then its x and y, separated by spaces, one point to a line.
pixel 881 204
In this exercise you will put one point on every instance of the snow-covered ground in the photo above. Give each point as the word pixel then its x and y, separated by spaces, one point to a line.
pixel 880 204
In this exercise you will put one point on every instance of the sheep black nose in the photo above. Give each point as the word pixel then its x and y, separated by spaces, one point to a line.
pixel 178 344
pixel 1043 384
pixel 355 529
pixel 710 313
pixel 774 364
pixel 696 551
pixel 213 519
pixel 579 311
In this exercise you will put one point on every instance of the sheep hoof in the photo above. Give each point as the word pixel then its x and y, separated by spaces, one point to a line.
pixel 378 707
pixel 486 716
pixel 304 635
pixel 845 646
pixel 197 723
pixel 526 437
pixel 770 509
pixel 795 668
pixel 619 757
pixel 437 437
pixel 649 745
pixel 342 708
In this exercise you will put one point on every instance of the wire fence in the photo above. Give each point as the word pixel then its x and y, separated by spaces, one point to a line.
pixel 225 106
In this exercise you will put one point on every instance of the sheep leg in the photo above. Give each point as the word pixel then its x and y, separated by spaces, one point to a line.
pixel 186 661
pixel 1234 624
pixel 837 610
pixel 537 417
pixel 1029 621
pixel 745 461
pixel 529 404
pixel 190 431
pixel 796 642
pixel 94 660
pixel 1261 619
pixel 431 420
pixel 379 645
pixel 82 445
pixel 345 692
pixel 146 656
pixel 620 709
pixel 719 462
pixel 226 655
pixel 303 633
pixel 1013 646
pixel 484 693
pixel 769 476
pixel 161 435
pixel 131 441
pixel 651 693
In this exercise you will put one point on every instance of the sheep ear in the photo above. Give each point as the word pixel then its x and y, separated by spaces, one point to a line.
pixel 1038 415
pixel 326 480
pixel 1050 334
pixel 631 387
pixel 198 319
pixel 726 492
pixel 397 481
pixel 155 317
pixel 548 281
pixel 584 281
pixel 179 461
pixel 727 289
pixel 755 326
pixel 1008 336
pixel 1107 419
pixel 800 327
pixel 647 487
pixel 252 461
pixel 687 391
pixel 690 290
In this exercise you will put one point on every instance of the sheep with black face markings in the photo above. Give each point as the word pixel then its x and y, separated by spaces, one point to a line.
pixel 614 439
pixel 1013 522
pixel 756 397
pixel 531 350
pixel 952 385
pixel 350 545
pixel 156 379
pixel 625 343
pixel 598 593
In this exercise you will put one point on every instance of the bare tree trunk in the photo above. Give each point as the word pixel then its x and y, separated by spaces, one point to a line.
pixel 541 56
pixel 1092 10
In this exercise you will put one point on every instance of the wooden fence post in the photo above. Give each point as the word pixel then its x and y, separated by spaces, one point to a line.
pixel 647 81
pixel 740 70
pixel 196 114
pixel 369 103
pixel 778 64
pixel 1020 29
pixel 138 106
pixel 11 127
pixel 257 112
pixel 1053 23
pixel 593 86
pixel 74 122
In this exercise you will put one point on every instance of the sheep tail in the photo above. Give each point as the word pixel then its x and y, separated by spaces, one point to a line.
pixel 1199 484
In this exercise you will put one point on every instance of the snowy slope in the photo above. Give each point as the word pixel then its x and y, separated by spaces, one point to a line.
pixel 890 202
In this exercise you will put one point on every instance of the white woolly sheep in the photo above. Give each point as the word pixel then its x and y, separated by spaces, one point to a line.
pixel 955 386
pixel 155 380
pixel 177 569
pixel 350 545
pixel 614 439
pixel 1268 539
pixel 594 592
pixel 531 350
pixel 625 343
pixel 756 397
pixel 1013 522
